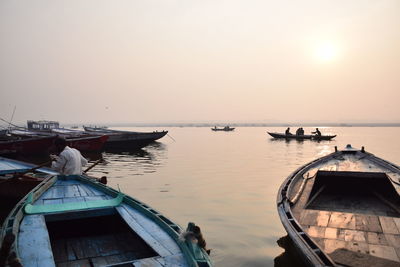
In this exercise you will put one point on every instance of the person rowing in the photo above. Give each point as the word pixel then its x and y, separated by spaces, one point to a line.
pixel 317 132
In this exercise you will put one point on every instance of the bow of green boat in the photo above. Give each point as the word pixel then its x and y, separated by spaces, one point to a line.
pixel 75 221
pixel 343 209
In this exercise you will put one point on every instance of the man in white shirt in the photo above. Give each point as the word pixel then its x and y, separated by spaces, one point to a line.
pixel 69 161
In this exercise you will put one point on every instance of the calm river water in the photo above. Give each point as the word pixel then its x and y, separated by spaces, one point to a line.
pixel 227 182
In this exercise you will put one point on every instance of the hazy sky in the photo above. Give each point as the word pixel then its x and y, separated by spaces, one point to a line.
pixel 80 61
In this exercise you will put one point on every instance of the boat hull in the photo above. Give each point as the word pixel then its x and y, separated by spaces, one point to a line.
pixel 301 137
pixel 29 146
pixel 125 140
pixel 88 144
pixel 222 129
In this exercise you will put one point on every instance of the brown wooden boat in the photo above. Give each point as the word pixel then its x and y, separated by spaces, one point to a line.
pixel 28 146
pixel 17 178
pixel 344 209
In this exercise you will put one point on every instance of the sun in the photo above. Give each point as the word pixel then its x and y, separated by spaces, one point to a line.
pixel 326 52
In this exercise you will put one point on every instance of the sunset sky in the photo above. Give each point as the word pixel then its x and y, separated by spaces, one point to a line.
pixel 183 61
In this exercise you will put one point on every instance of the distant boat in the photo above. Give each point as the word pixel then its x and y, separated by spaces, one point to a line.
pixel 302 137
pixel 343 210
pixel 126 139
pixel 226 128
pixel 75 221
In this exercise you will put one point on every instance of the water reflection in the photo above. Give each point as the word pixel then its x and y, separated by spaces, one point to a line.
pixel 288 257
pixel 125 163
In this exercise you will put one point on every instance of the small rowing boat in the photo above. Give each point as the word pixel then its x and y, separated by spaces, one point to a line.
pixel 343 209
pixel 75 221
pixel 301 137
pixel 226 128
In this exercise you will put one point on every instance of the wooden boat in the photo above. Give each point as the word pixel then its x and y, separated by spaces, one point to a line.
pixel 226 128
pixel 74 221
pixel 18 178
pixel 28 146
pixel 42 125
pixel 68 133
pixel 77 139
pixel 301 137
pixel 343 209
pixel 89 143
pixel 126 139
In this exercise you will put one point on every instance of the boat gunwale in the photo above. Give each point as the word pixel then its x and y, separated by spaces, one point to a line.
pixel 298 236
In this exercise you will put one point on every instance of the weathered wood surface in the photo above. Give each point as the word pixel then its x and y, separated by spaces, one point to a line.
pixel 339 233
pixel 94 251
pixel 70 191
pixel 143 233
pixel 34 242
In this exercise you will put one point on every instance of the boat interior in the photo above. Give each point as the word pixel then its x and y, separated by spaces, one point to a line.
pixel 353 216
pixel 87 240
pixel 81 225
pixel 356 192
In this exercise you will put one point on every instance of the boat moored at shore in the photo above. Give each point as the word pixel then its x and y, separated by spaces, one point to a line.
pixel 126 139
pixel 75 221
pixel 343 209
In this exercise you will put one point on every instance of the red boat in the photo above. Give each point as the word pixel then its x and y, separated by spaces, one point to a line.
pixel 88 144
pixel 28 146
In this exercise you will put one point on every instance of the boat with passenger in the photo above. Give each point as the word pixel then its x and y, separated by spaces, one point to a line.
pixel 301 137
pixel 76 221
pixel 343 210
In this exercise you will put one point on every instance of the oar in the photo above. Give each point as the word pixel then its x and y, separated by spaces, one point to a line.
pixel 92 166
pixel 32 169
pixel 171 137
pixel 17 175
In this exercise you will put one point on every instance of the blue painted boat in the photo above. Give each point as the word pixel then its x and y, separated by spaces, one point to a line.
pixel 76 221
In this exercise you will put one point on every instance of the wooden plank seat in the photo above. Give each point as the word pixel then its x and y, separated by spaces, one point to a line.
pixel 72 206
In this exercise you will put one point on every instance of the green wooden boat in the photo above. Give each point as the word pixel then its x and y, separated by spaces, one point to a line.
pixel 75 221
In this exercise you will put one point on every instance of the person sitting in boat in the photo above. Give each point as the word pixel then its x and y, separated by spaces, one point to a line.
pixel 317 132
pixel 300 131
pixel 69 160
pixel 287 132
